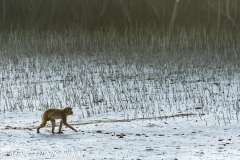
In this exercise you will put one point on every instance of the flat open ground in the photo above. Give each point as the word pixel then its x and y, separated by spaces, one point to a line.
pixel 99 138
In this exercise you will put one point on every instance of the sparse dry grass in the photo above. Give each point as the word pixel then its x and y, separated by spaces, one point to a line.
pixel 148 73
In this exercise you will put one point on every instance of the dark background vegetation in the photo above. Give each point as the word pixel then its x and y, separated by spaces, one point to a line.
pixel 170 24
pixel 122 14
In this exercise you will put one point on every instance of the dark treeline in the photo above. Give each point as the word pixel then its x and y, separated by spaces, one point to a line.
pixel 150 26
pixel 121 14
